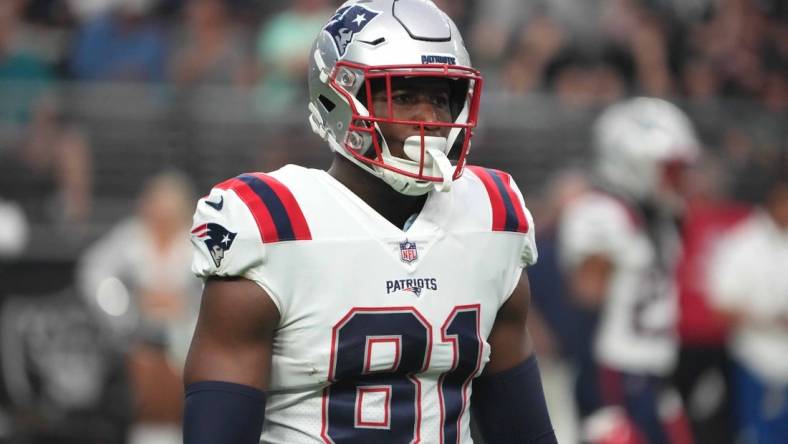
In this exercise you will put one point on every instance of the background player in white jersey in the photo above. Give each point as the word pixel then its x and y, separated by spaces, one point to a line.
pixel 748 282
pixel 618 243
pixel 380 301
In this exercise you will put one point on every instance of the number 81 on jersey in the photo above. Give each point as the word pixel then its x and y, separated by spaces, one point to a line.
pixel 357 383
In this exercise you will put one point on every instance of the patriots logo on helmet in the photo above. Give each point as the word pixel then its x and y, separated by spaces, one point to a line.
pixel 217 238
pixel 408 251
pixel 346 23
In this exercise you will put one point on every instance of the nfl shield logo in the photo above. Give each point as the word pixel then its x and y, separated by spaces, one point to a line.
pixel 407 251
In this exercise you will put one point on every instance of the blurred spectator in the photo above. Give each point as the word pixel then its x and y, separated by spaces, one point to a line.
pixel 649 49
pixel 582 80
pixel 137 280
pixel 43 30
pixel 753 140
pixel 775 92
pixel 628 24
pixel 744 42
pixel 496 22
pixel 24 78
pixel 536 45
pixel 704 49
pixel 548 56
pixel 748 281
pixel 212 50
pixel 86 10
pixel 51 158
pixel 123 45
pixel 64 151
pixel 48 13
pixel 283 50
pixel 700 81
pixel 144 253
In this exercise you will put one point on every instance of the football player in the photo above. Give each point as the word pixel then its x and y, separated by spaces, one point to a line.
pixel 381 300
pixel 618 244
pixel 748 283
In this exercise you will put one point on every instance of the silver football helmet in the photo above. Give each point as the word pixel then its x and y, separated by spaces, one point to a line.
pixel 636 140
pixel 379 41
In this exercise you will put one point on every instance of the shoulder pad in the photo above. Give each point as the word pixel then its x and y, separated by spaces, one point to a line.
pixel 273 206
pixel 235 221
pixel 508 211
pixel 595 223
pixel 507 205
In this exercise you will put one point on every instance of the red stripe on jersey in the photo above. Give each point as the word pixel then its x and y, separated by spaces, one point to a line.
pixel 265 224
pixel 522 221
pixel 498 208
pixel 294 213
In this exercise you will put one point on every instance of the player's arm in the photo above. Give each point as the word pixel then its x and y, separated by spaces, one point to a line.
pixel 594 231
pixel 229 363
pixel 590 279
pixel 508 401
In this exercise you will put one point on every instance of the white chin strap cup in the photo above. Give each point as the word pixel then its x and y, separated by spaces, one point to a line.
pixel 436 164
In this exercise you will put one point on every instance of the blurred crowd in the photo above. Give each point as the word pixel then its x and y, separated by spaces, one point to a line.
pixel 133 279
pixel 587 54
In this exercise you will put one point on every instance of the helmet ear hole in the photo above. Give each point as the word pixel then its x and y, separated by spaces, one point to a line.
pixel 372 152
pixel 327 104
pixel 355 141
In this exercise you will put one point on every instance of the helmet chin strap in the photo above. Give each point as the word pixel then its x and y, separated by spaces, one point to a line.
pixel 441 167
pixel 435 164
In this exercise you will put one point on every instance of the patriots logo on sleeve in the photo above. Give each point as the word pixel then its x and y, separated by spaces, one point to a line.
pixel 217 238
pixel 346 23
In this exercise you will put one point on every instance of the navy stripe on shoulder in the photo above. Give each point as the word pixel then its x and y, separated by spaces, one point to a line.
pixel 512 222
pixel 276 208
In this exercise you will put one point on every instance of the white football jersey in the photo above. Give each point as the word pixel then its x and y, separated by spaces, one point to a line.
pixel 381 330
pixel 635 332
pixel 747 274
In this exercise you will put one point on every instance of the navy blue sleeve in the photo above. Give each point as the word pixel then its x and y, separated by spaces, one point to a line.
pixel 509 407
pixel 218 412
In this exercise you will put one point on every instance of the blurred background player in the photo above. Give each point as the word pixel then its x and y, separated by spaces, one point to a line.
pixel 135 282
pixel 619 243
pixel 749 284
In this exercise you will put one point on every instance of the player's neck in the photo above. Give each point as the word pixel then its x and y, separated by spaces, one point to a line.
pixel 393 206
